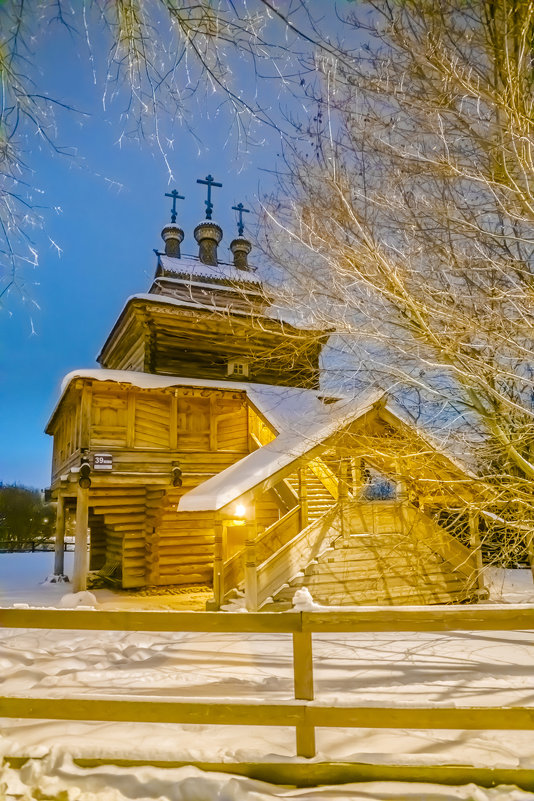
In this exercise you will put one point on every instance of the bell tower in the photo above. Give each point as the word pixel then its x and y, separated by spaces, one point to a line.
pixel 207 318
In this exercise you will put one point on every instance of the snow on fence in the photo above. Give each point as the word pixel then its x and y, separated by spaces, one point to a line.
pixel 299 712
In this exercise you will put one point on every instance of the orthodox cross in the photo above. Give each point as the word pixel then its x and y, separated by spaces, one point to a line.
pixel 175 196
pixel 209 181
pixel 242 210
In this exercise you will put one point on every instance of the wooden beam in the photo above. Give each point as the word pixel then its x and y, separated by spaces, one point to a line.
pixel 251 571
pixel 130 426
pixel 479 617
pixel 284 714
pixel 59 547
pixel 85 415
pixel 219 558
pixel 81 554
pixel 303 665
pixel 313 774
pixel 303 497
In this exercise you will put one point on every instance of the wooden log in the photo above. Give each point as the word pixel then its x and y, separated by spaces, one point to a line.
pixel 85 416
pixel 303 497
pixel 219 556
pixel 251 575
pixel 81 554
pixel 59 556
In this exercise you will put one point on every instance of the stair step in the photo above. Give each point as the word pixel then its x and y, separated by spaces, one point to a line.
pixel 366 539
pixel 359 566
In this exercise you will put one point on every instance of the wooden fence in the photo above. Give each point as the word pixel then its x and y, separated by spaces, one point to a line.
pixel 299 712
pixel 33 546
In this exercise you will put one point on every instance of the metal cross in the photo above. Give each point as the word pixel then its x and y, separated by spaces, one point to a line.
pixel 209 181
pixel 175 196
pixel 242 210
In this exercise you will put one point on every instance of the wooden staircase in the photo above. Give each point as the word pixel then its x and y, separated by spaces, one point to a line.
pixel 390 553
pixel 319 498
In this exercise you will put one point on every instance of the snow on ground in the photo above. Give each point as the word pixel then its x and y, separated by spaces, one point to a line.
pixel 510 586
pixel 22 581
pixel 462 668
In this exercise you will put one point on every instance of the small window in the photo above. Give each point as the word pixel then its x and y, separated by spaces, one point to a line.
pixel 238 369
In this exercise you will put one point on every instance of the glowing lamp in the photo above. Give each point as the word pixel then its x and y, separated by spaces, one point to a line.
pixel 240 510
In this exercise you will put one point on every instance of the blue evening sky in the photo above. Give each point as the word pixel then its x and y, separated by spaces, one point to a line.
pixel 113 207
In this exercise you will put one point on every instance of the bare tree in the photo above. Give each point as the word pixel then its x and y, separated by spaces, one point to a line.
pixel 406 223
pixel 162 60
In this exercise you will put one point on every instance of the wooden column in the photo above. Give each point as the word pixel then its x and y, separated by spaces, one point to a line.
pixel 218 563
pixel 130 426
pixel 343 496
pixel 476 546
pixel 81 554
pixel 402 489
pixel 251 576
pixel 85 416
pixel 303 497
pixel 59 546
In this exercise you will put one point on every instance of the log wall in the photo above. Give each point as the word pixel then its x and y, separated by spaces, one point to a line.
pixel 137 535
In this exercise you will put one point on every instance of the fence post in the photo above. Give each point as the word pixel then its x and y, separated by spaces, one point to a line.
pixel 59 546
pixel 303 665
pixel 305 736
pixel 81 555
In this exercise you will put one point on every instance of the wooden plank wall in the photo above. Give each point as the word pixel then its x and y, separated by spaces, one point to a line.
pixel 139 537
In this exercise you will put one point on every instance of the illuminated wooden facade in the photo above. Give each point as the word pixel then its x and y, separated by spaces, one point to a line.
pixel 194 378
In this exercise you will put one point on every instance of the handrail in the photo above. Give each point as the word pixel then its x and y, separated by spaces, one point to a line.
pixel 280 567
pixel 326 476
pixel 234 569
pixel 457 554
pixel 440 617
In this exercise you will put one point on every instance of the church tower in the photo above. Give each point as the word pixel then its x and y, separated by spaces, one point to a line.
pixel 202 452
pixel 208 318
pixel 178 399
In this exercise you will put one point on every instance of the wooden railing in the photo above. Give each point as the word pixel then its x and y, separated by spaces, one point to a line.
pixel 326 476
pixel 264 545
pixel 300 712
pixel 376 517
pixel 426 529
pixel 283 565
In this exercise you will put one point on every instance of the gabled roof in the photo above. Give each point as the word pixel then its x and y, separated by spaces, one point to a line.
pixel 281 406
pixel 301 432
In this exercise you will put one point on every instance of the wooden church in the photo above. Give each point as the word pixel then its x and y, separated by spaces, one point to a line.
pixel 203 451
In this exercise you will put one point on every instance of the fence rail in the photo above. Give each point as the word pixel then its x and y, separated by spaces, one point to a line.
pixel 10 546
pixel 301 712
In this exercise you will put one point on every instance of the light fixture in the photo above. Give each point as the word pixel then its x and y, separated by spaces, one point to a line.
pixel 240 510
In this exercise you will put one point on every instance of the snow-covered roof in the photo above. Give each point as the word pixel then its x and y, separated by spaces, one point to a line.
pixel 192 267
pixel 189 304
pixel 300 418
pixel 301 431
pixel 281 405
